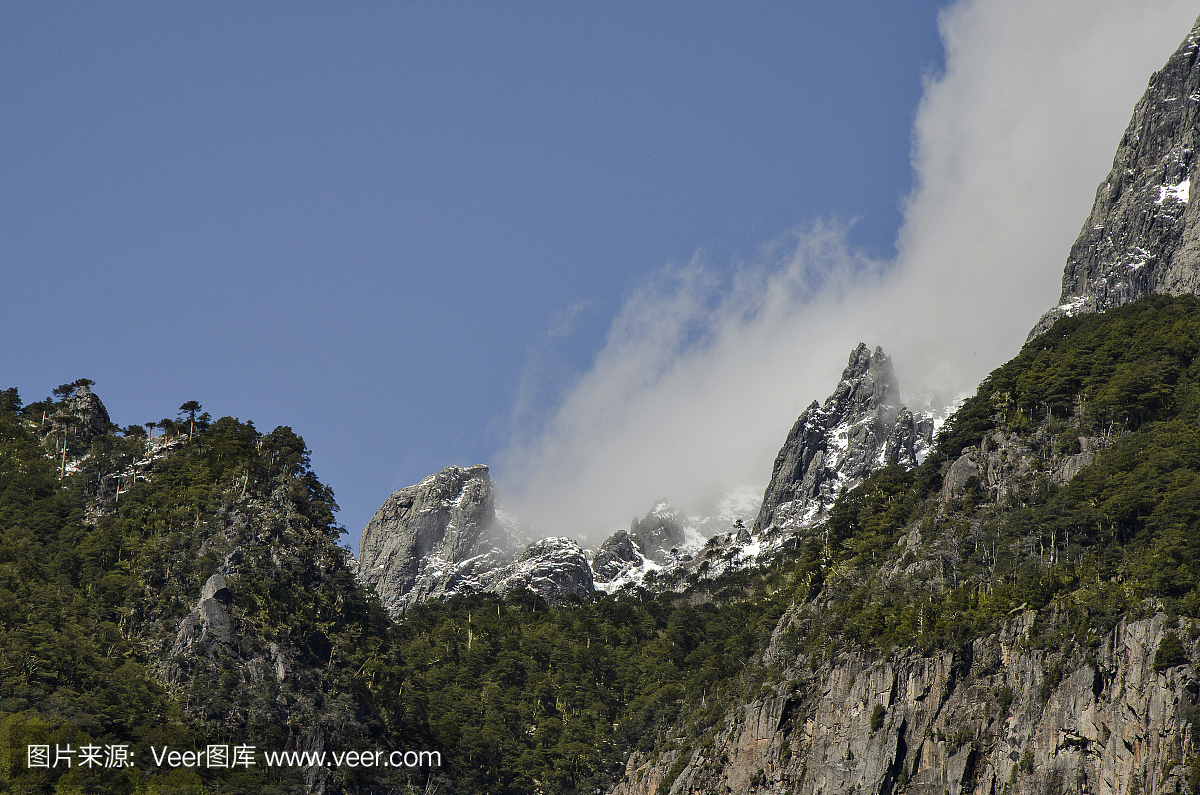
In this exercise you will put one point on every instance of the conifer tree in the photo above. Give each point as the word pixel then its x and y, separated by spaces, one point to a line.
pixel 190 408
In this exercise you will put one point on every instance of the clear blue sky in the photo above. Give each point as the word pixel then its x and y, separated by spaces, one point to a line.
pixel 368 221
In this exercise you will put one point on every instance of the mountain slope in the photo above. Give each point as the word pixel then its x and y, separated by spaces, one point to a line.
pixel 1004 612
pixel 1023 625
pixel 180 592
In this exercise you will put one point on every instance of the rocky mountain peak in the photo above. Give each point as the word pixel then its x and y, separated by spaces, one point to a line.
pixel 833 446
pixel 1143 234
pixel 868 384
pixel 444 536
pixel 89 411
pixel 659 531
pixel 421 532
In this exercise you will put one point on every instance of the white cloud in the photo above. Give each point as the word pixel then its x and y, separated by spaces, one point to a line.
pixel 1009 146
pixel 700 377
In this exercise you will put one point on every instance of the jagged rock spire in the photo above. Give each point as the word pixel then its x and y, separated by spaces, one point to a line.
pixel 831 448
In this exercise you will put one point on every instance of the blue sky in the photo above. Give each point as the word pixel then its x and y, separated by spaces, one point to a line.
pixel 410 231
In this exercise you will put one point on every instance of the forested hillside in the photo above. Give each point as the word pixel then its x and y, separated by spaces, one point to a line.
pixel 1054 532
pixel 189 590
pixel 104 555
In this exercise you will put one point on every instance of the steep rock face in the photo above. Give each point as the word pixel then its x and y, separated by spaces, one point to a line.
pixel 209 620
pixel 833 446
pixel 1143 234
pixel 1003 461
pixel 90 416
pixel 1003 717
pixel 444 536
pixel 658 532
pixel 410 548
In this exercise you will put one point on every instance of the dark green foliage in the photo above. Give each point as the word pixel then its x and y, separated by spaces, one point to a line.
pixel 866 521
pixel 1170 652
pixel 877 716
pixel 678 767
pixel 1120 368
pixel 518 692
pixel 68 670
pixel 97 570
pixel 1004 699
pixel 10 401
pixel 1124 529
pixel 1051 679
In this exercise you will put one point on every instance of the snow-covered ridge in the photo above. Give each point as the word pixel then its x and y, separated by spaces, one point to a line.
pixel 445 536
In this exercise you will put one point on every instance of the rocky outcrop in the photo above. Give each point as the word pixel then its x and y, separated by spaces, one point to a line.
pixel 444 536
pixel 1005 461
pixel 1143 234
pixel 247 651
pixel 652 544
pixel 552 568
pixel 617 554
pixel 1004 716
pixel 658 532
pixel 662 549
pixel 208 625
pixel 413 546
pixel 90 417
pixel 832 447
pixel 77 418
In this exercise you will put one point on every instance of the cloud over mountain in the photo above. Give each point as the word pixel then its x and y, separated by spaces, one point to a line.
pixel 705 368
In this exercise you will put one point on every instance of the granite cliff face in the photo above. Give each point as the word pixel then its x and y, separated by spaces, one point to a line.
pixel 1004 461
pixel 1143 234
pixel 444 536
pixel 1004 716
pixel 412 544
pixel 832 447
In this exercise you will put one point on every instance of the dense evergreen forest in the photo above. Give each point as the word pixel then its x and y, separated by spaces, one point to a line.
pixel 105 548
